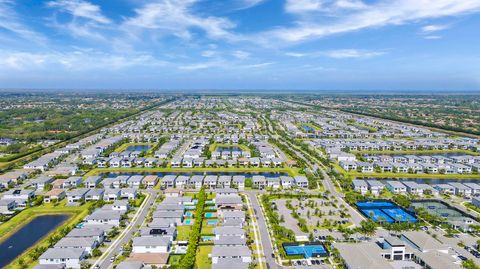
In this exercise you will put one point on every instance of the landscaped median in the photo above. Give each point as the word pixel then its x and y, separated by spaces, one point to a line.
pixel 29 257
pixel 290 171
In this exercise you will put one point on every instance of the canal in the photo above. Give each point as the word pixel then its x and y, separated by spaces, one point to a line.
pixel 27 236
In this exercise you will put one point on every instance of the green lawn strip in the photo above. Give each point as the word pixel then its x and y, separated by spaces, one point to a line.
pixel 368 128
pixel 289 170
pixel 188 260
pixel 428 151
pixel 77 215
pixel 216 145
pixel 201 260
pixel 124 147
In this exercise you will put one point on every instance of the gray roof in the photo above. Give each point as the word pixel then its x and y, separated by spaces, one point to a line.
pixel 76 242
pixel 221 251
pixel 130 265
pixel 230 240
pixel 230 263
pixel 228 231
pixel 150 241
pixel 85 232
pixel 62 253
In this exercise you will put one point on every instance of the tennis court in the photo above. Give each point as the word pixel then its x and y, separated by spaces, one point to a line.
pixel 307 251
pixel 384 211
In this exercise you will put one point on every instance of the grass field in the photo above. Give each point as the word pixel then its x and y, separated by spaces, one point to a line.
pixel 201 259
pixel 289 170
pixel 24 217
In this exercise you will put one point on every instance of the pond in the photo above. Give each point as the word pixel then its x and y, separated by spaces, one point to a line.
pixel 232 148
pixel 27 236
pixel 137 148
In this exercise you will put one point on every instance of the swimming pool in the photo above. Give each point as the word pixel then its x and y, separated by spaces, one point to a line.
pixel 189 214
pixel 188 222
pixel 210 215
pixel 307 251
pixel 212 222
pixel 207 238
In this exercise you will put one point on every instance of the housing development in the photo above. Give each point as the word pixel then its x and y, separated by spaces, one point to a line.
pixel 243 182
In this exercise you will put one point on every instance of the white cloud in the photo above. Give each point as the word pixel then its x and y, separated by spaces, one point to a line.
pixel 74 60
pixel 80 9
pixel 177 18
pixel 432 37
pixel 352 53
pixel 10 21
pixel 295 54
pixel 300 6
pixel 433 28
pixel 208 53
pixel 246 4
pixel 240 54
pixel 381 14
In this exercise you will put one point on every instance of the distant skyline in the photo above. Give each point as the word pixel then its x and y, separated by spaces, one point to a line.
pixel 348 45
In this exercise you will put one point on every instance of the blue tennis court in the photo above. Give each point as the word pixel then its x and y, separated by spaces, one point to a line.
pixel 400 215
pixel 377 215
pixel 307 251
pixel 384 211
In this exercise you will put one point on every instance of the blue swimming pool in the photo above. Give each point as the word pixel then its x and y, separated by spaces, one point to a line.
pixel 384 211
pixel 207 238
pixel 212 222
pixel 307 251
pixel 188 214
pixel 188 222
pixel 210 215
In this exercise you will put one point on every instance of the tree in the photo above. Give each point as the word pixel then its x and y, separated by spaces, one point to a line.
pixel 367 228
pixel 470 264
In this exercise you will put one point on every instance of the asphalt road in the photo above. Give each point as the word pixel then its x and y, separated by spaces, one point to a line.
pixel 104 261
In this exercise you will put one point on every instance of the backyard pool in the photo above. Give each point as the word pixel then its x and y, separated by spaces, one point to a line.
pixel 188 222
pixel 210 215
pixel 189 214
pixel 307 251
pixel 207 238
pixel 212 222
pixel 384 211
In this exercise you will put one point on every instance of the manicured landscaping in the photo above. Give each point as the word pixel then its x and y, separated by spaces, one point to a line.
pixel 216 145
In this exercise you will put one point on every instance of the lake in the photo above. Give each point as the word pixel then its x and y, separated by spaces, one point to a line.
pixel 138 148
pixel 27 236
pixel 232 148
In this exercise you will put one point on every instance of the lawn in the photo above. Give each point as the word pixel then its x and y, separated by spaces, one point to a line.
pixel 289 170
pixel 207 230
pixel 183 232
pixel 9 227
pixel 201 259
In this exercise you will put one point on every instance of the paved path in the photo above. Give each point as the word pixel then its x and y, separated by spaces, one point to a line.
pixel 127 234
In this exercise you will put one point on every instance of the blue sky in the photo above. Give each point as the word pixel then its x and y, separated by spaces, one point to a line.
pixel 241 44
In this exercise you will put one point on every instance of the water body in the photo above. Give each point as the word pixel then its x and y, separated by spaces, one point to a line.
pixel 27 236
pixel 161 174
pixel 138 148
pixel 233 148
pixel 308 128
